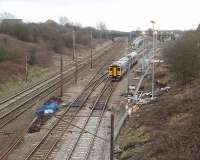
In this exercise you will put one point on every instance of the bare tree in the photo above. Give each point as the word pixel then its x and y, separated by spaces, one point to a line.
pixel 198 28
pixel 183 56
pixel 102 29
pixel 63 20
pixel 6 15
pixel 101 26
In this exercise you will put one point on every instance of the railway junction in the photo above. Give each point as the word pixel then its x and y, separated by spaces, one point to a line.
pixel 82 127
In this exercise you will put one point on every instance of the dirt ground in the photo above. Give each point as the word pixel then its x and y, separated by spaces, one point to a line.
pixel 118 102
pixel 16 127
pixel 71 92
pixel 13 75
pixel 168 127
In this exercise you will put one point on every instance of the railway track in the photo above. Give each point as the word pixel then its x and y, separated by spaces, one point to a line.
pixel 18 93
pixel 7 116
pixel 43 148
pixel 16 105
pixel 84 141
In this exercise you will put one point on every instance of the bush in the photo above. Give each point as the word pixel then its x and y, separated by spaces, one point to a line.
pixel 4 53
pixel 32 57
pixel 55 36
pixel 183 56
pixel 17 30
pixel 7 53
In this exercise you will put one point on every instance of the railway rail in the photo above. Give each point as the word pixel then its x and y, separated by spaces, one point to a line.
pixel 7 114
pixel 84 142
pixel 6 102
pixel 18 93
pixel 16 105
pixel 43 149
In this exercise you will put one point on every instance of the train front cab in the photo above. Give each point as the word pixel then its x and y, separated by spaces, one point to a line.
pixel 115 72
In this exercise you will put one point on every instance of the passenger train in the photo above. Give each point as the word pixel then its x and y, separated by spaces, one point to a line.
pixel 120 67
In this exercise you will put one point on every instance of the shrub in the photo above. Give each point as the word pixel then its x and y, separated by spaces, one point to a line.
pixel 17 30
pixel 55 36
pixel 9 53
pixel 32 57
pixel 183 56
pixel 4 53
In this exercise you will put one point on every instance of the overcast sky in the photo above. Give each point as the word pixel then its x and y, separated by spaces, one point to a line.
pixel 122 15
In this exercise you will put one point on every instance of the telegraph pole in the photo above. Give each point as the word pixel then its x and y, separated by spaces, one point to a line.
pixel 26 68
pixel 128 75
pixel 61 75
pixel 143 61
pixel 156 43
pixel 74 44
pixel 153 22
pixel 101 36
pixel 130 38
pixel 91 38
pixel 76 58
pixel 112 137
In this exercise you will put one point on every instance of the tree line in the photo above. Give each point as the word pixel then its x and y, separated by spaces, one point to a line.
pixel 51 35
pixel 183 56
pixel 56 35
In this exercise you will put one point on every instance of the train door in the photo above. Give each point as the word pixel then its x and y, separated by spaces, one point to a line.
pixel 110 71
pixel 119 71
pixel 114 71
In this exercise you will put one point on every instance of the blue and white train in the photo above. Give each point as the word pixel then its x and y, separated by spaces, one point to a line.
pixel 120 67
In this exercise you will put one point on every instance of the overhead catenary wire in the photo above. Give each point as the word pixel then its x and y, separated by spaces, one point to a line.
pixel 91 48
pixel 86 131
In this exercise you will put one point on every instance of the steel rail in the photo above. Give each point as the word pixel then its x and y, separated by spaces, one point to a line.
pixel 110 91
pixel 17 111
pixel 68 73
pixel 18 141
pixel 93 84
pixel 4 119
pixel 34 97
pixel 87 120
pixel 6 99
pixel 44 83
pixel 15 143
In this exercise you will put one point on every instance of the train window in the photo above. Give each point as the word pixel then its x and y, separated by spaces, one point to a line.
pixel 110 69
pixel 118 69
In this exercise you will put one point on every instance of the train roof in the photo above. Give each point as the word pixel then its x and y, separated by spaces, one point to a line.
pixel 132 54
pixel 122 61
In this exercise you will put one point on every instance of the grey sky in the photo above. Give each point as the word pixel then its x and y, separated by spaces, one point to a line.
pixel 123 15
